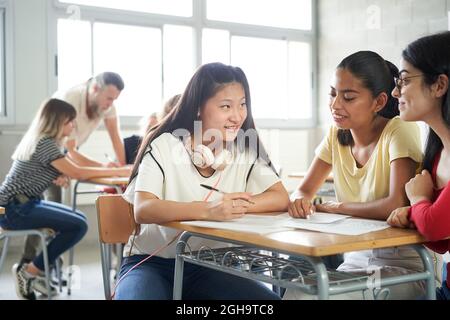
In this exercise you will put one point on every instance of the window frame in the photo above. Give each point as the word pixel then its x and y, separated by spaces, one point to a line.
pixel 198 21
pixel 7 113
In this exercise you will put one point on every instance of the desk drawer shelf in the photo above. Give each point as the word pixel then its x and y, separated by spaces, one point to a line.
pixel 266 266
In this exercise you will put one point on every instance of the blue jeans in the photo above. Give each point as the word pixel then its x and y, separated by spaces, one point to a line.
pixel 443 293
pixel 153 280
pixel 69 226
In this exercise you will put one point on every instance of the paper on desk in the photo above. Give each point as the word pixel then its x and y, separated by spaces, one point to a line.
pixel 324 217
pixel 261 224
pixel 352 227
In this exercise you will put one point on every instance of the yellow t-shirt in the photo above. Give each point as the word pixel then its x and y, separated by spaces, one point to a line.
pixel 399 139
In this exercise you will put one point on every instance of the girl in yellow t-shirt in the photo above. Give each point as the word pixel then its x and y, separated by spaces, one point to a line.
pixel 372 154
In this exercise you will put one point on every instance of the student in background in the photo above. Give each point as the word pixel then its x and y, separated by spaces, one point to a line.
pixel 132 143
pixel 372 154
pixel 172 162
pixel 423 93
pixel 38 160
pixel 93 102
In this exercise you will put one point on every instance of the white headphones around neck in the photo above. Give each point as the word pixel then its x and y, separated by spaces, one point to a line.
pixel 203 157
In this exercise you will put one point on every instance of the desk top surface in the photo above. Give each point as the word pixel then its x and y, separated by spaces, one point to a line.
pixel 2 210
pixel 109 181
pixel 313 243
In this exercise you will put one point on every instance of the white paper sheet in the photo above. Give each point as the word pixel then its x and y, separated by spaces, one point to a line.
pixel 353 227
pixel 323 217
pixel 261 224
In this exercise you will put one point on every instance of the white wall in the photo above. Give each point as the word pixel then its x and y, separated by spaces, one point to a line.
pixel 346 26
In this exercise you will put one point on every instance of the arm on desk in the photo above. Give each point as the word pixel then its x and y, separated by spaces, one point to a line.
pixel 301 200
pixel 402 170
pixel 148 208
pixel 274 199
pixel 79 158
pixel 112 126
pixel 72 170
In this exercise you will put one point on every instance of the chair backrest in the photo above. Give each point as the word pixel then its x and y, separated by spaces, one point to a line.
pixel 115 219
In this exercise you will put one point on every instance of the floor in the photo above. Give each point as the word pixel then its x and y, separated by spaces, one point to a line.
pixel 87 284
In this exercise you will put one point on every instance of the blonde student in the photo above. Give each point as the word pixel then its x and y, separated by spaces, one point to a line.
pixel 39 162
pixel 372 154
pixel 423 93
pixel 210 139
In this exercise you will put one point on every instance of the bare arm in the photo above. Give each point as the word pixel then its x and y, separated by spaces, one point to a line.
pixel 402 170
pixel 301 204
pixel 79 158
pixel 150 209
pixel 112 126
pixel 315 177
pixel 73 170
pixel 274 199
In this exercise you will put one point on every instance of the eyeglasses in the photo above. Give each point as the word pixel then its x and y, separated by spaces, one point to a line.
pixel 400 82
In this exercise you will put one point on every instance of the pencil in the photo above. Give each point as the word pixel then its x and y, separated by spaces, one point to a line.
pixel 217 190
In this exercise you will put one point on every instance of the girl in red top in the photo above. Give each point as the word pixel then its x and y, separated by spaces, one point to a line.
pixel 423 93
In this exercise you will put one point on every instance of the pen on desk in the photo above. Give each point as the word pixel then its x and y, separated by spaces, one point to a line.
pixel 217 190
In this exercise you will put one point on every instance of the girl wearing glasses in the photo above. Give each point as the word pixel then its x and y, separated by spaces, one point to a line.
pixel 372 154
pixel 422 92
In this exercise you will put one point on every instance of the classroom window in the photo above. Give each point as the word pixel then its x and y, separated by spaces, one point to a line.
pixel 178 58
pixel 137 61
pixel 157 51
pixel 292 14
pixel 6 64
pixel 278 71
pixel 181 8
pixel 74 52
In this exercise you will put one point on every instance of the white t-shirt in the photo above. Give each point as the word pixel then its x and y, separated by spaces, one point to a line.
pixel 84 126
pixel 168 172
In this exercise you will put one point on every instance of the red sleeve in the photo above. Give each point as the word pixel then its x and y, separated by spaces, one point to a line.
pixel 433 219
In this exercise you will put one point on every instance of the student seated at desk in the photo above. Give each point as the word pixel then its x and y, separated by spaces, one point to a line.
pixel 173 161
pixel 372 154
pixel 39 162
pixel 423 92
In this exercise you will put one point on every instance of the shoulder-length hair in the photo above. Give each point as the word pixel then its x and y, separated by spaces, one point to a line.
pixel 48 122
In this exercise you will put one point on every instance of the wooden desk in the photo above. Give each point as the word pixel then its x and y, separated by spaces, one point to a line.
pixel 312 246
pixel 2 210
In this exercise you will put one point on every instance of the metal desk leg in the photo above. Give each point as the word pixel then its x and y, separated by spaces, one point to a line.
pixel 428 266
pixel 71 251
pixel 106 269
pixel 323 286
pixel 179 266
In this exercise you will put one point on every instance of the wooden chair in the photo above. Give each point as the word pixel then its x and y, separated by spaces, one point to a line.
pixel 115 225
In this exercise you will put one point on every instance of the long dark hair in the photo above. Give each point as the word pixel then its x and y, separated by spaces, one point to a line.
pixel 377 75
pixel 431 55
pixel 204 84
